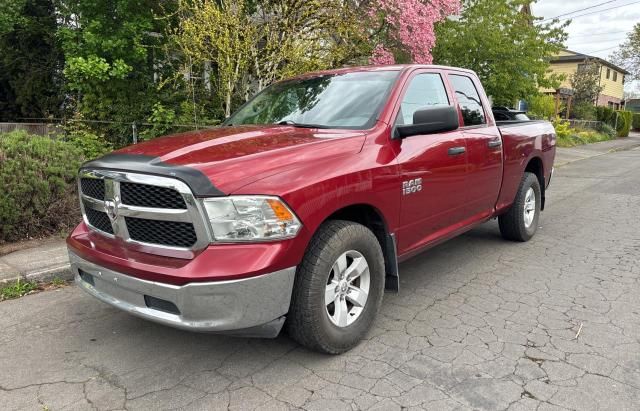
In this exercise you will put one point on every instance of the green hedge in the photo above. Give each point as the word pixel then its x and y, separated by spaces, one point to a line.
pixel 621 120
pixel 636 121
pixel 623 125
pixel 606 115
pixel 38 180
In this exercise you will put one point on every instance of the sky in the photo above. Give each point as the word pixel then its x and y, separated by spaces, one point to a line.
pixel 596 31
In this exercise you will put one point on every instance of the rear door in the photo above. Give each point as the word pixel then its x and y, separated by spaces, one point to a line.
pixel 484 147
pixel 433 166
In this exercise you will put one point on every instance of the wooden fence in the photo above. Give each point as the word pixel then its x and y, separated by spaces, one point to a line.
pixel 41 129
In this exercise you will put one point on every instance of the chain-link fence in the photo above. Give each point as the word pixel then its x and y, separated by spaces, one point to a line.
pixel 591 124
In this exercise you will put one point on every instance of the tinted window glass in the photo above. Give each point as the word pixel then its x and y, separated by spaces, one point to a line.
pixel 425 90
pixel 469 100
pixel 350 100
pixel 500 116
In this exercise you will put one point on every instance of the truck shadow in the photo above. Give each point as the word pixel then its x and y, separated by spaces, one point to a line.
pixel 431 267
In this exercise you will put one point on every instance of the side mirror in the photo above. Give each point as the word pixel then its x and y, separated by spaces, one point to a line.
pixel 429 121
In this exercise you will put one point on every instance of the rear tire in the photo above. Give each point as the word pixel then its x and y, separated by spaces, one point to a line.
pixel 520 223
pixel 328 312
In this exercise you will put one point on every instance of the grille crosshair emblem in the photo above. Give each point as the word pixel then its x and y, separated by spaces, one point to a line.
pixel 111 201
pixel 111 209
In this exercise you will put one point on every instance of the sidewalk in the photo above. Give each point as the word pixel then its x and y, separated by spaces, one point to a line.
pixel 565 156
pixel 41 263
pixel 50 260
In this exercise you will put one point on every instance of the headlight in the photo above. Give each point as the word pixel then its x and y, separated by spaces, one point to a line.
pixel 250 218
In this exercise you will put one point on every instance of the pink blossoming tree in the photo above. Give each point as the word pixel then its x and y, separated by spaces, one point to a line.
pixel 409 24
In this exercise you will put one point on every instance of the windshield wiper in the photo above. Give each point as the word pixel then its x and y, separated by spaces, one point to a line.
pixel 301 125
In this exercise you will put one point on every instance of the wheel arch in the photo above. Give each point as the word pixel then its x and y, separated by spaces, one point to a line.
pixel 536 166
pixel 372 218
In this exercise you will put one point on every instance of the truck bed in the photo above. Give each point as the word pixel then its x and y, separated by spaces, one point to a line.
pixel 519 139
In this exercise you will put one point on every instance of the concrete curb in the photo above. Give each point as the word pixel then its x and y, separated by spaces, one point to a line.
pixel 42 276
pixel 631 146
pixel 40 264
pixel 63 272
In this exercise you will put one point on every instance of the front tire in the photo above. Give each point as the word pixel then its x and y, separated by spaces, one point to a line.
pixel 520 223
pixel 338 288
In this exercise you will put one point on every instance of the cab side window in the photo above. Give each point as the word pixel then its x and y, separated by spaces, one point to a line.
pixel 424 90
pixel 469 100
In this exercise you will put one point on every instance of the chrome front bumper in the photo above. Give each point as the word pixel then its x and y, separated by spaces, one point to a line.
pixel 251 307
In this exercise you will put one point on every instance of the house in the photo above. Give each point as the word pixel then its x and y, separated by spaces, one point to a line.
pixel 612 77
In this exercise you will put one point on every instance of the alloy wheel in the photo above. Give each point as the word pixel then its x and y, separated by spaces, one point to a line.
pixel 347 288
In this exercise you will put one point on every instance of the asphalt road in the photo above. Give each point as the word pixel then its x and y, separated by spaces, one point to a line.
pixel 480 323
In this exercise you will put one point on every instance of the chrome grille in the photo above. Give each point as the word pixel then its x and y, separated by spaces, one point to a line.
pixel 99 220
pixel 169 233
pixel 153 214
pixel 92 187
pixel 145 195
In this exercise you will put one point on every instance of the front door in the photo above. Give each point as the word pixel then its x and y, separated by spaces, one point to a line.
pixel 433 168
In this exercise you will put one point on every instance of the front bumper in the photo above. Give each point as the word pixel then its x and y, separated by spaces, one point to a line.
pixel 250 306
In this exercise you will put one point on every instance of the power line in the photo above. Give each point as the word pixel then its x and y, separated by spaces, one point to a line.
pixel 579 10
pixel 599 34
pixel 598 11
pixel 595 42
pixel 608 48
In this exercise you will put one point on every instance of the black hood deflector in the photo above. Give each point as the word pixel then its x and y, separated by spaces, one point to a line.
pixel 140 163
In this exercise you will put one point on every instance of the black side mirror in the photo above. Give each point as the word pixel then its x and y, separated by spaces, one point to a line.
pixel 429 121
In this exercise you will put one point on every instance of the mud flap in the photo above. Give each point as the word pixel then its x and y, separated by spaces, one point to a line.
pixel 392 277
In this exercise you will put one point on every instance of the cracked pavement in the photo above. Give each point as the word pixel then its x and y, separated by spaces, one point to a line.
pixel 479 323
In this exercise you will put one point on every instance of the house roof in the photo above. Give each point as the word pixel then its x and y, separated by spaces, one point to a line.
pixel 579 57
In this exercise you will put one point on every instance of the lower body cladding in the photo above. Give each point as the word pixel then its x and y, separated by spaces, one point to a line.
pixel 252 307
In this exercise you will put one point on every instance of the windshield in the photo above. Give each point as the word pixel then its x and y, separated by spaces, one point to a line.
pixel 350 100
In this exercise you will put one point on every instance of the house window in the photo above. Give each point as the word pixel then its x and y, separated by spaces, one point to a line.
pixel 615 76
pixel 608 74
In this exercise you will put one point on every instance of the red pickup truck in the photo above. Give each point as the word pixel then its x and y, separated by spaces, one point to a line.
pixel 296 211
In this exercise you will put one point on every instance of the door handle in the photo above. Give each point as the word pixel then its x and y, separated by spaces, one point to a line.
pixel 454 151
pixel 494 143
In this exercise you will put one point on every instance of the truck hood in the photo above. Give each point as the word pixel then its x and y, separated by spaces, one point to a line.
pixel 232 157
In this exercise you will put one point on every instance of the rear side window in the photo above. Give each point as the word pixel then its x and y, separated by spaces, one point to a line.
pixel 500 116
pixel 424 90
pixel 469 99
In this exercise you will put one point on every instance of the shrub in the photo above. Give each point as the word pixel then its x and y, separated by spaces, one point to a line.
pixel 37 176
pixel 620 120
pixel 562 128
pixel 570 137
pixel 606 115
pixel 607 130
pixel 636 121
pixel 90 145
pixel 542 106
pixel 623 123
pixel 588 136
pixel 584 111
